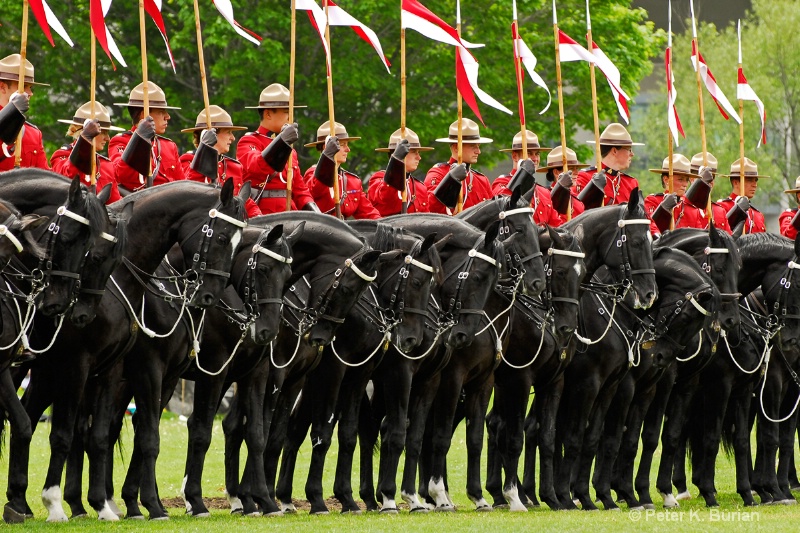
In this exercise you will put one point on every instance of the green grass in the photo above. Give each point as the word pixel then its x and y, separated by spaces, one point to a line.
pixel 692 516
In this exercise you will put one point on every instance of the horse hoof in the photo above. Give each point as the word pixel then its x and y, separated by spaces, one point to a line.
pixel 254 514
pixel 107 515
pixel 389 510
pixel 670 501
pixel 81 515
pixel 501 506
pixel 419 510
pixel 636 508
pixel 351 512
pixel 274 514
pixel 649 506
pixel 685 495
pixel 614 509
pixel 163 518
pixel 445 509
pixel 238 511
pixel 288 508
pixel 320 513
pixel 788 501
pixel 135 517
pixel 12 516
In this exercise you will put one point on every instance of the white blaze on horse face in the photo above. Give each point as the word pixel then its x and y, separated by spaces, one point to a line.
pixel 577 267
pixel 236 238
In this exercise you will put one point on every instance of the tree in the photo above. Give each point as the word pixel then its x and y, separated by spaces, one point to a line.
pixel 769 40
pixel 366 97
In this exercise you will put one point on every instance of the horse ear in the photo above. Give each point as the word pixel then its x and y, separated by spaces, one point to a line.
pixel 297 233
pixel 555 238
pixel 491 234
pixel 738 230
pixel 31 222
pixel 368 260
pixel 244 192
pixel 389 256
pixel 427 243
pixel 515 195
pixel 440 244
pixel 545 241
pixel 127 211
pixel 274 234
pixel 226 193
pixel 633 201
pixel 74 192
pixel 104 194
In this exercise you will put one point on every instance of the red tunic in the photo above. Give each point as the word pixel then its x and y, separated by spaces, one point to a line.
pixel 544 212
pixel 226 168
pixel 164 152
pixel 618 184
pixel 354 203
pixel 105 171
pixel 785 220
pixel 476 187
pixel 686 215
pixel 256 171
pixel 388 200
pixel 755 219
pixel 33 154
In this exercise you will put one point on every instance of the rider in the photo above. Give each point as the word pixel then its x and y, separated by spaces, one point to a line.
pixel 75 159
pixel 447 181
pixel 320 177
pixel 142 152
pixel 738 207
pixel 611 185
pixel 554 176
pixel 13 107
pixel 386 186
pixel 265 155
pixel 785 219
pixel 699 191
pixel 661 207
pixel 208 163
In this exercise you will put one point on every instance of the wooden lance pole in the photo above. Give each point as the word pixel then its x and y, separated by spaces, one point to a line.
pixel 741 129
pixel 565 168
pixel 23 51
pixel 337 197
pixel 93 99
pixel 404 194
pixel 460 106
pixel 201 59
pixel 292 56
pixel 145 94
pixel 696 47
pixel 595 115
pixel 520 92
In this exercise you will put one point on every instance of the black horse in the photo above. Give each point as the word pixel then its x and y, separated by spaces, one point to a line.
pixel 162 216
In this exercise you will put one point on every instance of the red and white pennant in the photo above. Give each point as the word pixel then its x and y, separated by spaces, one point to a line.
pixel 47 19
pixel 745 92
pixel 98 9
pixel 225 9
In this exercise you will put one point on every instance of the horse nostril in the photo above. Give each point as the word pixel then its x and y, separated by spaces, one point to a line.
pixel 409 343
pixel 207 300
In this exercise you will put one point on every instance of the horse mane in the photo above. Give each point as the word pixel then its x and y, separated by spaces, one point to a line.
pixel 386 237
pixel 768 246
pixel 305 216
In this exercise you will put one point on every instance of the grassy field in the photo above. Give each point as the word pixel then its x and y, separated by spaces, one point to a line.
pixel 692 516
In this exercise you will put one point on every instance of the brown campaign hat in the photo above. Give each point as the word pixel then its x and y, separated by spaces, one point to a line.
pixel 219 119
pixel 325 130
pixel 100 113
pixel 532 142
pixel 9 70
pixel 556 162
pixel 615 134
pixel 750 169
pixel 274 96
pixel 796 187
pixel 680 167
pixel 413 142
pixel 469 133
pixel 697 162
pixel 155 96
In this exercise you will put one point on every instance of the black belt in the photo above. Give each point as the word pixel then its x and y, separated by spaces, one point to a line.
pixel 273 193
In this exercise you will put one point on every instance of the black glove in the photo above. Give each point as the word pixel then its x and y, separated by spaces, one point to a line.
pixel 669 202
pixel 523 180
pixel 91 129
pixel 565 179
pixel 12 119
pixel 147 129
pixel 738 212
pixel 311 206
pixel 81 154
pixel 21 101
pixel 331 148
pixel 663 213
pixel 458 172
pixel 289 133
pixel 593 193
pixel 209 137
pixel 706 175
pixel 401 151
pixel 449 188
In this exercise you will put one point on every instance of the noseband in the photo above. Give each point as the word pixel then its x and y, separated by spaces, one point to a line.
pixel 549 299
pixel 621 242
pixel 462 271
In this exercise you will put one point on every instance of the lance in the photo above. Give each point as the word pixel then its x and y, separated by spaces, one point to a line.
pixel 145 95
pixel 561 106
pixel 23 49
pixel 337 198
pixel 459 105
pixel 696 47
pixel 292 47
pixel 201 59
pixel 741 126
pixel 404 196
pixel 93 98
pixel 590 47
pixel 518 72
pixel 670 144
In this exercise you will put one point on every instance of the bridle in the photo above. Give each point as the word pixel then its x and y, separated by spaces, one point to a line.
pixel 514 263
pixel 659 330
pixel 777 319
pixel 548 299
pixel 5 231
pixel 620 241
pixel 249 279
pixel 462 271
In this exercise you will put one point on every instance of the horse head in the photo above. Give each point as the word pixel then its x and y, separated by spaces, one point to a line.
pixel 688 301
pixel 74 229
pixel 15 233
pixel 263 264
pixel 564 271
pixel 103 258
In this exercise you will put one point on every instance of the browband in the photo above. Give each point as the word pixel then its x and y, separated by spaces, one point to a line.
pixel 216 214
pixel 504 214
pixel 411 261
pixel 623 223
pixel 476 253
pixel 276 256
pixel 63 211
pixel 4 231
pixel 348 263
pixel 554 251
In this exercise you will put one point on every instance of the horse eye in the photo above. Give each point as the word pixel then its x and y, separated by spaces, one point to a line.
pixel 223 238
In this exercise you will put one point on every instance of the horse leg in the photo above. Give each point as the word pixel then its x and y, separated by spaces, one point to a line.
pixel 22 433
pixel 629 445
pixel 396 393
pixel 608 441
pixel 73 485
pixel 233 430
pixel 287 407
pixel 349 408
pixel 600 419
pixel 547 406
pixel 494 465
pixel 766 481
pixel 742 427
pixel 368 432
pixel 529 460
pixel 477 402
pixel 786 447
pixel 512 399
pixel 651 430
pixel 676 405
pixel 296 429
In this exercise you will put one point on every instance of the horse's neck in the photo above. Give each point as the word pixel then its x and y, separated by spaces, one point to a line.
pixel 317 241
pixel 37 195
pixel 753 273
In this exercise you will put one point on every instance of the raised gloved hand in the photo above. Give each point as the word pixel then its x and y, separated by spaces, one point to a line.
pixel 565 179
pixel 331 148
pixel 401 151
pixel 289 133
pixel 209 137
pixel 21 101
pixel 147 129
pixel 91 129
pixel 743 203
pixel 738 213
pixel 706 175
pixel 670 201
pixel 528 166
pixel 458 172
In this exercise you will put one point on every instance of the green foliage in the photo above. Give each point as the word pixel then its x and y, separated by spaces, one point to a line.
pixel 769 42
pixel 367 99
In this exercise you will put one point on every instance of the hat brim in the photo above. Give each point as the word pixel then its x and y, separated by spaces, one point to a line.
pixel 615 144
pixel 3 78
pixel 102 128
pixel 273 106
pixel 320 143
pixel 792 191
pixel 448 140
pixel 420 148
pixel 538 149
pixel 674 172
pixel 738 177
pixel 200 128
pixel 570 166
pixel 126 104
